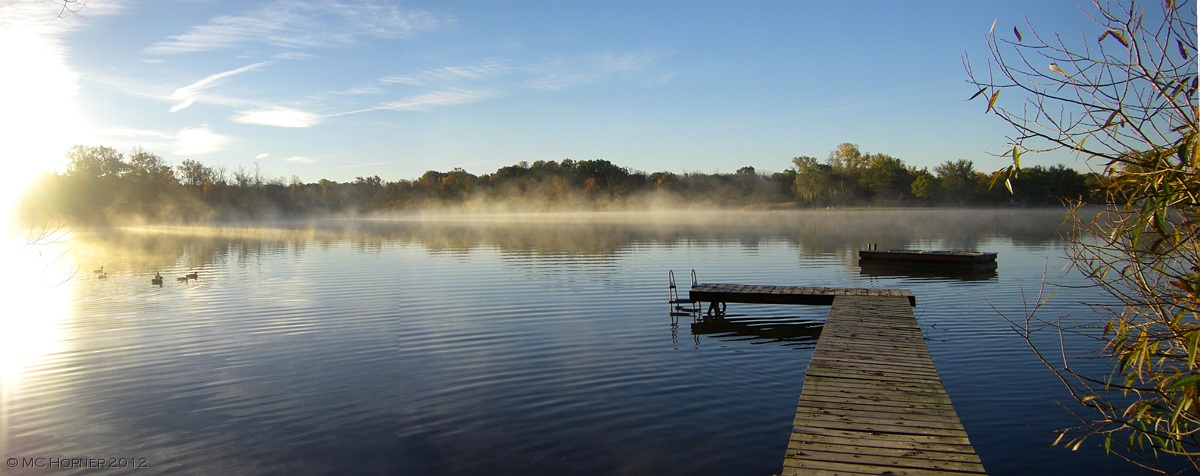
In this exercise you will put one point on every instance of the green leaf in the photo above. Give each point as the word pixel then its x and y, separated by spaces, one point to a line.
pixel 992 102
pixel 1178 88
pixel 1016 153
pixel 1182 49
pixel 997 174
pixel 1193 342
pixel 1008 185
pixel 1188 381
pixel 973 96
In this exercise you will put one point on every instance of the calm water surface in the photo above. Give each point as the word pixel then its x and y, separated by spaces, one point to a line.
pixel 520 345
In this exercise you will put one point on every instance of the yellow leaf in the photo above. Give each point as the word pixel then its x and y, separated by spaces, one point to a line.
pixel 992 102
pixel 1115 34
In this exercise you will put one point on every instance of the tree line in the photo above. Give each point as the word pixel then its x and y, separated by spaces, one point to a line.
pixel 101 184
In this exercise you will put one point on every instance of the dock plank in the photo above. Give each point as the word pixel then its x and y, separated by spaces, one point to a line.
pixel 872 401
pixel 767 294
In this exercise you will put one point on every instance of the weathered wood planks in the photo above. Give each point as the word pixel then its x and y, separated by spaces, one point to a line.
pixel 766 294
pixel 872 401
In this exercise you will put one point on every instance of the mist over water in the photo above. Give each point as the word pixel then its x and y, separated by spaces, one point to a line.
pixel 506 344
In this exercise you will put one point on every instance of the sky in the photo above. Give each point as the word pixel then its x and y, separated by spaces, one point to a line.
pixel 348 88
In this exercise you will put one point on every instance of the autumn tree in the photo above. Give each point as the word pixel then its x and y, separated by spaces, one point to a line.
pixel 1124 99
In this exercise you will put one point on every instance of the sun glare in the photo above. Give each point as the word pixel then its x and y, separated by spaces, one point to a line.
pixel 39 118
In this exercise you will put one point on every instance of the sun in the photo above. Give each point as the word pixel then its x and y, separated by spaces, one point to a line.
pixel 39 119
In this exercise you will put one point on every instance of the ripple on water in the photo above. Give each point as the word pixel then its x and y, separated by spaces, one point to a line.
pixel 439 355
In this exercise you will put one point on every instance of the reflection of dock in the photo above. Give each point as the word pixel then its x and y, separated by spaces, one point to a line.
pixel 872 402
pixel 788 330
pixel 889 268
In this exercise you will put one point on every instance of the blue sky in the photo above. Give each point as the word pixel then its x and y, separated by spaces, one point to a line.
pixel 338 89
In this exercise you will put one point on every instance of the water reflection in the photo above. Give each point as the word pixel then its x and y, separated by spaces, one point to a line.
pixel 800 332
pixel 877 269
pixel 512 346
pixel 811 233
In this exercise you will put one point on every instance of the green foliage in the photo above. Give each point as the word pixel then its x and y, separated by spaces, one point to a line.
pixel 925 186
pixel 1127 103
pixel 102 185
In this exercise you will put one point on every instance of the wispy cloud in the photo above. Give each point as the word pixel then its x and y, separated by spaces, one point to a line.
pixel 294 55
pixel 452 74
pixel 455 85
pixel 566 73
pixel 401 79
pixel 300 159
pixel 298 24
pixel 262 156
pixel 448 97
pixel 278 117
pixel 187 95
pixel 199 141
pixel 359 90
pixel 554 74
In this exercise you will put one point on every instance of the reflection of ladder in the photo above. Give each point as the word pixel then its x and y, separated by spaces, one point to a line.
pixel 681 307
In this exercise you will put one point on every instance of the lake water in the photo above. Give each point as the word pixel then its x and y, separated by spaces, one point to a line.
pixel 535 344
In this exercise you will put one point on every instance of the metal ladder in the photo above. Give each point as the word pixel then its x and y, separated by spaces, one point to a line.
pixel 681 307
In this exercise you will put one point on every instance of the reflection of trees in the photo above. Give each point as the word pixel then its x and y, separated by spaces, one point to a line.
pixel 844 232
pixel 813 233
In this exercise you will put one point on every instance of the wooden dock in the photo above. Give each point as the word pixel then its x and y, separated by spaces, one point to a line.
pixel 765 294
pixel 929 259
pixel 872 402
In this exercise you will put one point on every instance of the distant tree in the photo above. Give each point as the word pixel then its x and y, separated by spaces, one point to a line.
pixel 957 179
pixel 457 184
pixel 99 161
pixel 925 186
pixel 814 180
pixel 847 160
pixel 196 174
pixel 148 168
pixel 885 173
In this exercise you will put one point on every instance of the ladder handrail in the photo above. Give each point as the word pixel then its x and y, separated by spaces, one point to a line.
pixel 673 294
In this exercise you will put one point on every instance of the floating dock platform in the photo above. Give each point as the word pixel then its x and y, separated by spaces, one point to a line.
pixel 929 259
